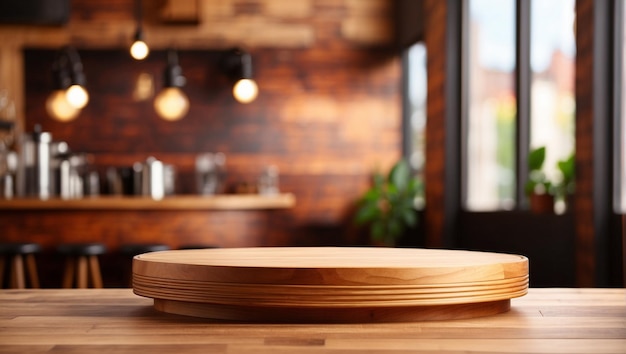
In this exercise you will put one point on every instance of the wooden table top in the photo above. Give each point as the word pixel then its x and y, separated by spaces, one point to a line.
pixel 117 321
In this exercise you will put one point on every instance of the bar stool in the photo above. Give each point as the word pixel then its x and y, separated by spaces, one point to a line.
pixel 19 253
pixel 81 262
pixel 196 246
pixel 133 249
pixel 130 250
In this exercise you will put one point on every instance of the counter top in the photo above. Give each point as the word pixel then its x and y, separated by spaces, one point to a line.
pixel 180 202
pixel 116 320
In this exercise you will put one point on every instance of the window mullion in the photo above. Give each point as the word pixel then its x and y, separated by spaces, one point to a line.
pixel 522 88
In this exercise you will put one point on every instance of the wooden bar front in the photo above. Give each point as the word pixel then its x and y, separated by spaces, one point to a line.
pixel 221 221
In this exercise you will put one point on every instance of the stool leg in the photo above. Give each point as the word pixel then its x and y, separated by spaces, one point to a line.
pixel 17 272
pixel 96 276
pixel 82 272
pixel 2 260
pixel 68 277
pixel 31 267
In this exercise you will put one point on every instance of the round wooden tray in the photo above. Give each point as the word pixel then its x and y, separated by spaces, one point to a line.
pixel 330 284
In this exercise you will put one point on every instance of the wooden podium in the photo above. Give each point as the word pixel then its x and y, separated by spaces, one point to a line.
pixel 330 284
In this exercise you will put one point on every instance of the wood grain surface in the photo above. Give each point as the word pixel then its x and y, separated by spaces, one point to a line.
pixel 331 265
pixel 116 321
pixel 287 284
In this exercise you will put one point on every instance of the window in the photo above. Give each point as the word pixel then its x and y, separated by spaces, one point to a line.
pixel 552 61
pixel 416 105
pixel 495 69
pixel 415 109
pixel 491 115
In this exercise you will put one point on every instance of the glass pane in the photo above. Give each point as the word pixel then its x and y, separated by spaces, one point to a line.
pixel 417 81
pixel 490 180
pixel 552 59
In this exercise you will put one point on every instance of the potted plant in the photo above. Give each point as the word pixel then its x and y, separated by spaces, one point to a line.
pixel 538 187
pixel 543 192
pixel 566 185
pixel 388 207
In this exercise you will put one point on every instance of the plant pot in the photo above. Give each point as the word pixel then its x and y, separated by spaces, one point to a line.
pixel 542 203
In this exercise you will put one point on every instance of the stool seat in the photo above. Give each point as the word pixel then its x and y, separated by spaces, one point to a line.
pixel 81 262
pixel 133 249
pixel 19 253
pixel 19 248
pixel 82 249
pixel 193 246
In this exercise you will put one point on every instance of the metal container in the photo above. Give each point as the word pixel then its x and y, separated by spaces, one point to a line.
pixel 8 167
pixel 152 182
pixel 33 174
pixel 71 183
pixel 210 173
pixel 121 180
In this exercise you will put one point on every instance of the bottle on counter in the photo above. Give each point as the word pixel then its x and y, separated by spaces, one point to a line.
pixel 210 173
pixel 34 172
pixel 268 181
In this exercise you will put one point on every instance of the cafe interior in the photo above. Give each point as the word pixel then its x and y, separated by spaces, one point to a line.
pixel 258 123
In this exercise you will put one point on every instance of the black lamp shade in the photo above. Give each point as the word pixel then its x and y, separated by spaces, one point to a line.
pixel 173 73
pixel 237 64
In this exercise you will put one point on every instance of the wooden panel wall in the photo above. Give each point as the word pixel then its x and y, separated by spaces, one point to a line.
pixel 328 113
pixel 435 37
pixel 598 260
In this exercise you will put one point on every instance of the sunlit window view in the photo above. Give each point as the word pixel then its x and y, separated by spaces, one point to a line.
pixel 417 80
pixel 553 52
pixel 490 167
pixel 490 179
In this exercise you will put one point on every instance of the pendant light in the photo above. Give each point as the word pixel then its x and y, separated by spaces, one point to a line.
pixel 238 66
pixel 171 103
pixel 139 50
pixel 69 95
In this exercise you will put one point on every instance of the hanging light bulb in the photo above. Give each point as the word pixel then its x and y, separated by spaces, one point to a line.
pixel 76 93
pixel 245 90
pixel 171 103
pixel 77 96
pixel 59 108
pixel 69 95
pixel 238 66
pixel 139 50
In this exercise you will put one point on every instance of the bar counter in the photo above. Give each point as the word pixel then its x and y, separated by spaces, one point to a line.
pixel 229 220
pixel 118 321
pixel 180 202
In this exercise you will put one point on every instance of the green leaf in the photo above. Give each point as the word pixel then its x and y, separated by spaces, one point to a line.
pixel 400 174
pixel 379 180
pixel 567 168
pixel 413 188
pixel 392 190
pixel 367 212
pixel 529 188
pixel 371 195
pixel 536 157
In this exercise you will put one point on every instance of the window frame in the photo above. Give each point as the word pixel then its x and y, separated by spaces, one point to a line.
pixel 582 243
pixel 619 113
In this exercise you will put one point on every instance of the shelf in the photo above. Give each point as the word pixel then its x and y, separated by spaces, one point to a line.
pixel 181 202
